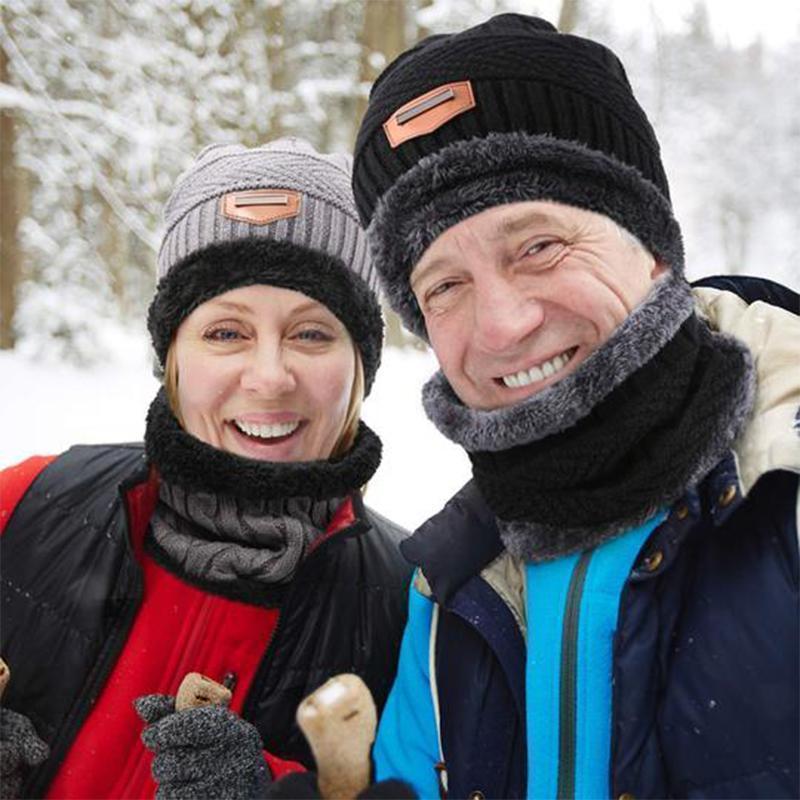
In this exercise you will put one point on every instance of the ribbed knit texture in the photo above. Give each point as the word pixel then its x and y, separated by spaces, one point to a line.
pixel 327 220
pixel 525 77
pixel 221 540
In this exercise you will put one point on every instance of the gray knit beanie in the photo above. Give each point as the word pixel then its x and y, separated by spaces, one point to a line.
pixel 281 214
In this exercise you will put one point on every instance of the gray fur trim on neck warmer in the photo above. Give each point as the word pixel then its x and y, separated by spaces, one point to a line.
pixel 648 328
pixel 470 176
pixel 534 541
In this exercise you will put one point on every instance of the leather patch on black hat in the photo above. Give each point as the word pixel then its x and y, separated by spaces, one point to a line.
pixel 429 111
pixel 261 206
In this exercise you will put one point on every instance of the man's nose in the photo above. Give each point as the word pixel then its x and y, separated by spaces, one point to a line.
pixel 267 371
pixel 504 315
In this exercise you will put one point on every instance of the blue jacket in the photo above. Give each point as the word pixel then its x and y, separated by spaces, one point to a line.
pixel 672 671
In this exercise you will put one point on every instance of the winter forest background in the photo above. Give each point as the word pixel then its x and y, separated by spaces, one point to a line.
pixel 103 104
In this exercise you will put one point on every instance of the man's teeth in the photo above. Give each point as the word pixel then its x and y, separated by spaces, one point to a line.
pixel 267 431
pixel 538 373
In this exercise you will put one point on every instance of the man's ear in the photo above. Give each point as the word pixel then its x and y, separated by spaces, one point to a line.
pixel 660 268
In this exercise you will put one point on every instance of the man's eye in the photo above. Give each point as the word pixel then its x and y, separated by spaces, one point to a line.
pixel 539 247
pixel 544 254
pixel 440 289
pixel 222 335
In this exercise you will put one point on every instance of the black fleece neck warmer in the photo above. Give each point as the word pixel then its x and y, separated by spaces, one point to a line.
pixel 237 526
pixel 569 473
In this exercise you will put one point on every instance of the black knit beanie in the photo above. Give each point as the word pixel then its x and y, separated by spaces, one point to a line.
pixel 506 111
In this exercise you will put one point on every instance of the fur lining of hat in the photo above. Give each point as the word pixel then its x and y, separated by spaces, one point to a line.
pixel 245 262
pixel 470 176
pixel 646 330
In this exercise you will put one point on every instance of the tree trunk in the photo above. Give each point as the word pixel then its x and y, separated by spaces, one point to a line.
pixel 276 59
pixel 9 218
pixel 383 38
pixel 422 31
pixel 568 18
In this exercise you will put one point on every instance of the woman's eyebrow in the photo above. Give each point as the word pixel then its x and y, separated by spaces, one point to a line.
pixel 231 306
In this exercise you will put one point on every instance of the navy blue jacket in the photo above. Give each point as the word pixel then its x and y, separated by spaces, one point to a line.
pixel 704 666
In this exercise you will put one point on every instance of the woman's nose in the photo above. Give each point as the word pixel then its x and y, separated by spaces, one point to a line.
pixel 267 372
pixel 504 315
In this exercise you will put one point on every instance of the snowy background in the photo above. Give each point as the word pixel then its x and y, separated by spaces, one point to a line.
pixel 103 104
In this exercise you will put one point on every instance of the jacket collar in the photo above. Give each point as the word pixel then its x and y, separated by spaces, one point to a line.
pixel 771 441
pixel 455 544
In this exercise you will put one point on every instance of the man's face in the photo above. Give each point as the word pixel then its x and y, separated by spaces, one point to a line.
pixel 516 297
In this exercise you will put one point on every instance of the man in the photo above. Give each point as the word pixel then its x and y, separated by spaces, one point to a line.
pixel 610 607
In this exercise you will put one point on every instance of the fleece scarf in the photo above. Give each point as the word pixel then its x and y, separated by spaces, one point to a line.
pixel 645 417
pixel 237 526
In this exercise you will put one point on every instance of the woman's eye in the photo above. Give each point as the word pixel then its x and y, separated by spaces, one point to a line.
pixel 222 335
pixel 313 335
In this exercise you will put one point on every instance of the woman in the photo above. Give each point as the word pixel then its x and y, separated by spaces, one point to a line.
pixel 234 543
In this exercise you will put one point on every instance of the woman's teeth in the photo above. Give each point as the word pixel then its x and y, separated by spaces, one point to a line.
pixel 539 372
pixel 267 431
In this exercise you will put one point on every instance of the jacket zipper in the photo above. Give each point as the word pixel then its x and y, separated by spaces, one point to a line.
pixel 567 706
pixel 256 685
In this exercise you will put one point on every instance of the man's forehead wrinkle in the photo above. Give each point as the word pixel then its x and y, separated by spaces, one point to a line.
pixel 498 231
pixel 522 221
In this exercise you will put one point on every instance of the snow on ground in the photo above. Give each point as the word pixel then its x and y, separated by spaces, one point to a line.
pixel 47 407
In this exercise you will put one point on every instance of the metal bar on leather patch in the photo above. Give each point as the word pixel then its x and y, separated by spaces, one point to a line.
pixel 425 105
pixel 424 114
pixel 262 200
pixel 261 206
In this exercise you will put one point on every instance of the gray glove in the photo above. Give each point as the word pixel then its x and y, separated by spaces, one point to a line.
pixel 205 752
pixel 20 749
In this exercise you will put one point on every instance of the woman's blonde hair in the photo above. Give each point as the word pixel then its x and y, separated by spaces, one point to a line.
pixel 351 419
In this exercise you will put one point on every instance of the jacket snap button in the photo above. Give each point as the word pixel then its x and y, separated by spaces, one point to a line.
pixel 626 796
pixel 726 498
pixel 653 561
pixel 682 511
pixel 476 796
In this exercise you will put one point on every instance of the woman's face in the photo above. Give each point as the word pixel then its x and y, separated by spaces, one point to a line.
pixel 265 373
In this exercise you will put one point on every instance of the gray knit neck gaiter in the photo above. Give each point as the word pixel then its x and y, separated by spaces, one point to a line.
pixel 220 541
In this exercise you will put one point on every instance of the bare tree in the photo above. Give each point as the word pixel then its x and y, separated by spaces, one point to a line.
pixel 568 18
pixel 383 38
pixel 9 216
pixel 276 46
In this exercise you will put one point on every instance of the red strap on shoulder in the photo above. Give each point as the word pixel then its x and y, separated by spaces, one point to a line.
pixel 14 482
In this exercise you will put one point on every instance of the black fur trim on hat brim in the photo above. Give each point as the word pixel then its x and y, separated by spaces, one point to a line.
pixel 634 343
pixel 245 262
pixel 187 461
pixel 470 176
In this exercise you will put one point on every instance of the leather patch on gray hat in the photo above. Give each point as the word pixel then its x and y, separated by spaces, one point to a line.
pixel 261 206
pixel 428 112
